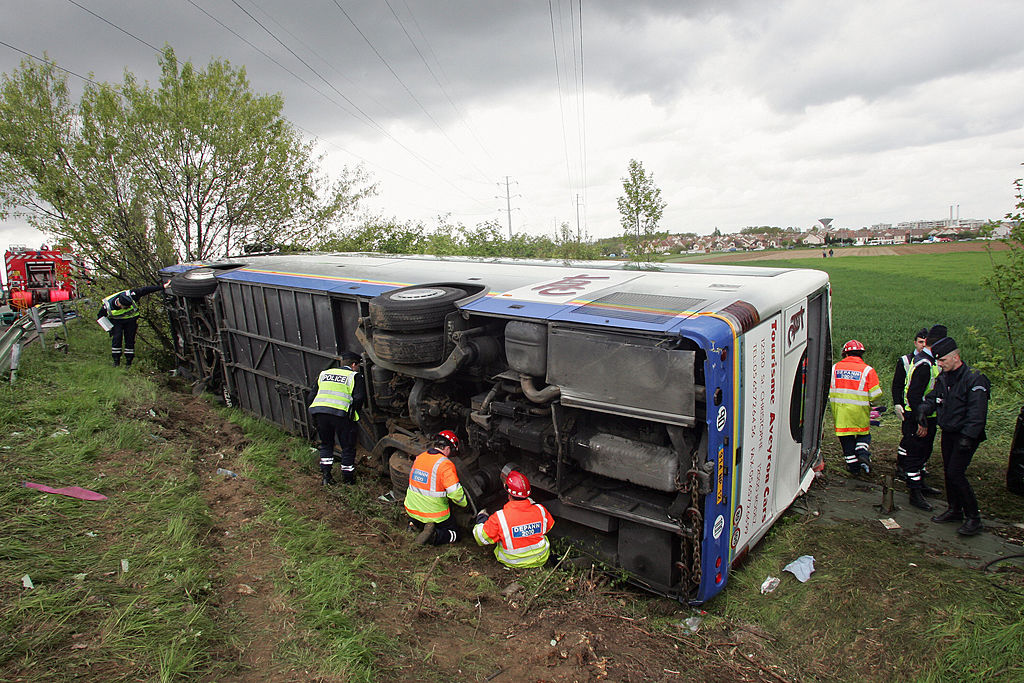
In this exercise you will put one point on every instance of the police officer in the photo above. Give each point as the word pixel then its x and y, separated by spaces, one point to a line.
pixel 853 390
pixel 900 377
pixel 433 481
pixel 122 310
pixel 917 449
pixel 518 529
pixel 960 397
pixel 339 395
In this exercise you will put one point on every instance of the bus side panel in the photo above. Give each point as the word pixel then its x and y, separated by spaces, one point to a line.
pixel 758 452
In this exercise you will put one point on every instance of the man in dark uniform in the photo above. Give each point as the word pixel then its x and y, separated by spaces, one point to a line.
pixel 122 310
pixel 900 377
pixel 960 398
pixel 334 405
pixel 917 449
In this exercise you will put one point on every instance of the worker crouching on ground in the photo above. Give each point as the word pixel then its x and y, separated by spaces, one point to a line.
pixel 853 390
pixel 960 398
pixel 334 406
pixel 518 529
pixel 121 309
pixel 433 481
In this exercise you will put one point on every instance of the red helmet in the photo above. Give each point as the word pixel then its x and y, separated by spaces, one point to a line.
pixel 517 484
pixel 852 345
pixel 449 436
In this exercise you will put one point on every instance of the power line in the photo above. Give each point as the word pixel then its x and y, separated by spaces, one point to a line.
pixel 406 87
pixel 47 61
pixel 127 33
pixel 368 119
pixel 558 79
pixel 437 80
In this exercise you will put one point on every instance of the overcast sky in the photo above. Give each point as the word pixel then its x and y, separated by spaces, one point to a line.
pixel 745 112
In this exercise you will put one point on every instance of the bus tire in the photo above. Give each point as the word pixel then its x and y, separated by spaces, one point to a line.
pixel 399 466
pixel 413 348
pixel 194 283
pixel 413 309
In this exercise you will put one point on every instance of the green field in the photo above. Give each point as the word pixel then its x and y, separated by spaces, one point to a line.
pixel 882 301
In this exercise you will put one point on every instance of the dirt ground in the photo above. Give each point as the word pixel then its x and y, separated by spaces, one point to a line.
pixel 475 633
pixel 590 637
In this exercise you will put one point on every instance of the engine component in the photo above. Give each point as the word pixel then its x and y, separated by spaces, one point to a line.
pixel 627 460
pixel 526 346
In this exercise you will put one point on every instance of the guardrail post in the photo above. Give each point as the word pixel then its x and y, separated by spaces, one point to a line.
pixel 34 312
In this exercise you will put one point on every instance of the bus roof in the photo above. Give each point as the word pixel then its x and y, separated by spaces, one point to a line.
pixel 607 293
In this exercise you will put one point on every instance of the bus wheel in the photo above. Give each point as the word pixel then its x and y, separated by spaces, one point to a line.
pixel 194 283
pixel 413 309
pixel 412 348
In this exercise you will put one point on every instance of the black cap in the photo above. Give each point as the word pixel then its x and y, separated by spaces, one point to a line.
pixel 348 357
pixel 936 333
pixel 944 346
pixel 922 333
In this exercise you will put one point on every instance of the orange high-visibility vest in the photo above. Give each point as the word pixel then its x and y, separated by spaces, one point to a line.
pixel 854 387
pixel 518 530
pixel 432 481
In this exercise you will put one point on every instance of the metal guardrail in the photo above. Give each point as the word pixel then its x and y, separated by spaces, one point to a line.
pixel 31 324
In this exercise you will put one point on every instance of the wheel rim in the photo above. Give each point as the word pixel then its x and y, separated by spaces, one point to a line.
pixel 418 294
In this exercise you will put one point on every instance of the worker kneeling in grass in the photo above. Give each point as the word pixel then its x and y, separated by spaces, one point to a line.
pixel 518 529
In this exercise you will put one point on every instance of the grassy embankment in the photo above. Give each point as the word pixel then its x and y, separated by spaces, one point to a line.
pixel 877 608
pixel 74 420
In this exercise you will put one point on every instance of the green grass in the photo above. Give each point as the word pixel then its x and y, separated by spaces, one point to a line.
pixel 73 420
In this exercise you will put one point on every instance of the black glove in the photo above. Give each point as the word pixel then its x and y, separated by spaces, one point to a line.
pixel 481 517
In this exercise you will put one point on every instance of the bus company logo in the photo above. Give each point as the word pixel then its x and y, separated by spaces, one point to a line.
pixel 723 414
pixel 796 323
pixel 720 488
pixel 568 286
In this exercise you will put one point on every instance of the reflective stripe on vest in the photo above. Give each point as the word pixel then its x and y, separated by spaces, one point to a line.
pixel 520 545
pixel 850 397
pixel 121 313
pixel 933 372
pixel 425 499
pixel 334 389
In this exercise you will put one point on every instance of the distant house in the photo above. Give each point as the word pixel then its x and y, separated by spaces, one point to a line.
pixel 814 240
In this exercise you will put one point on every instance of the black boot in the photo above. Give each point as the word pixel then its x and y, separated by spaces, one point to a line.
pixel 971 526
pixel 930 490
pixel 325 476
pixel 918 501
pixel 117 360
pixel 950 515
pixel 348 477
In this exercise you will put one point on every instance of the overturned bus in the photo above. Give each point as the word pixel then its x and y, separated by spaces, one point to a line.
pixel 666 418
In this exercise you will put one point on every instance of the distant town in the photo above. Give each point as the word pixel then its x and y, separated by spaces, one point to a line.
pixel 823 234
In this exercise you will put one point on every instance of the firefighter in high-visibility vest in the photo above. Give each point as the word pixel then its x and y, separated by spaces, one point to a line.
pixel 854 389
pixel 339 394
pixel 518 530
pixel 433 481
pixel 119 315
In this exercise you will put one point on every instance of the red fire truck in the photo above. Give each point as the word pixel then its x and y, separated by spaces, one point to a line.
pixel 43 275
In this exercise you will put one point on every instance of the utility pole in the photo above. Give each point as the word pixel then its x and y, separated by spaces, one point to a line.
pixel 508 203
pixel 579 236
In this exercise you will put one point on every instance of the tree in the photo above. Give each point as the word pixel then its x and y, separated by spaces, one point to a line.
pixel 138 177
pixel 1002 360
pixel 640 208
